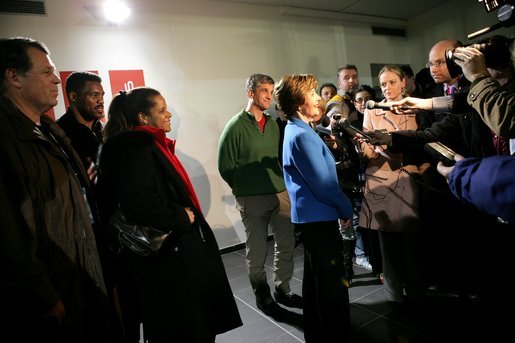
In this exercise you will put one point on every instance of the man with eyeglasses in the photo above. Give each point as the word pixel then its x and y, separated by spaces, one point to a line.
pixel 445 84
pixel 82 120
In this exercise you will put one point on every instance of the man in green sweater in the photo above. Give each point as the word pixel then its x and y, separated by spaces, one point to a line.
pixel 248 162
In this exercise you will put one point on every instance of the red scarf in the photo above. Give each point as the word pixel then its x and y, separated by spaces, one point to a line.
pixel 167 147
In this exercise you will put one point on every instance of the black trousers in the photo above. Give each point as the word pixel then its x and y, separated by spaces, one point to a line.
pixel 326 296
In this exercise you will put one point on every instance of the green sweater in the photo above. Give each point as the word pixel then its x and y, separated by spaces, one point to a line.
pixel 247 158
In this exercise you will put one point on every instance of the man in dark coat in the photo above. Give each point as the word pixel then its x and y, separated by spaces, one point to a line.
pixel 82 120
pixel 51 284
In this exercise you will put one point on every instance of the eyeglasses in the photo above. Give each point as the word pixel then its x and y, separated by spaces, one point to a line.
pixel 435 64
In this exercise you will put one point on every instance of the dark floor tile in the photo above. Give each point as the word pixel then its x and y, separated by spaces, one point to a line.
pixel 262 330
pixel 233 259
pixel 360 316
pixel 239 283
pixel 246 294
pixel 248 312
pixel 373 319
pixel 382 330
pixel 298 274
pixel 288 338
pixel 236 271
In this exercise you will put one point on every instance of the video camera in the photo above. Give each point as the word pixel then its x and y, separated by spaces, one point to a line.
pixel 496 50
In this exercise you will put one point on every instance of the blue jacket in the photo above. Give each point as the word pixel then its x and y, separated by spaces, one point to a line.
pixel 486 183
pixel 310 176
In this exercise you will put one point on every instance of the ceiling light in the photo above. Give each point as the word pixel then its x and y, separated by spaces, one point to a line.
pixel 116 11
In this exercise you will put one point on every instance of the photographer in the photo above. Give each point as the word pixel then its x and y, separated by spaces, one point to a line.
pixel 492 92
pixel 478 254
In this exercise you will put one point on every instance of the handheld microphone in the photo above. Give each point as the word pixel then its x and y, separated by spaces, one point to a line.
pixel 344 123
pixel 325 126
pixel 371 104
pixel 326 121
pixel 505 16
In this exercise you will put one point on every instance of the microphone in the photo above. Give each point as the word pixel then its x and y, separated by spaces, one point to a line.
pixel 352 130
pixel 325 122
pixel 325 126
pixel 371 104
pixel 506 19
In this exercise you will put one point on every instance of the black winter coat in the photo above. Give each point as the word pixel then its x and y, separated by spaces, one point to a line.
pixel 183 293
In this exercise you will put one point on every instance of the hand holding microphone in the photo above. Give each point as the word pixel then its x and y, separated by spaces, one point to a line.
pixel 404 106
pixel 376 137
pixel 371 105
pixel 379 137
pixel 352 130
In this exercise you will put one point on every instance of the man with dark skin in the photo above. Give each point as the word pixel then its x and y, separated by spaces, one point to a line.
pixel 82 120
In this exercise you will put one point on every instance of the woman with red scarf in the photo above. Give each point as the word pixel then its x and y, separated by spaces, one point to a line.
pixel 182 294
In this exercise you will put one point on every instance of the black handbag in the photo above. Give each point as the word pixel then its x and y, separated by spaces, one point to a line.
pixel 139 239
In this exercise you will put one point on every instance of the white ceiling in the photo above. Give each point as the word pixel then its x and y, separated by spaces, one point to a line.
pixel 388 9
pixel 387 13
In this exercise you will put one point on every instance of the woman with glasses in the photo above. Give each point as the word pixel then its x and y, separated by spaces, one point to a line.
pixel 362 95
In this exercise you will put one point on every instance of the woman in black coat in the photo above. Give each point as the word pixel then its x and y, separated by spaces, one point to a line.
pixel 182 294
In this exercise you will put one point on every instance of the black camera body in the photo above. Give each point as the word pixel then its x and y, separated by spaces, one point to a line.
pixel 496 50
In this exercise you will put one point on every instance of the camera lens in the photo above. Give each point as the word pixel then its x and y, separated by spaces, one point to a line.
pixel 449 54
pixel 452 67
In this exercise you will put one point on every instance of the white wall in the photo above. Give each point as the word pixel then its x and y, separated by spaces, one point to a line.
pixel 454 20
pixel 199 53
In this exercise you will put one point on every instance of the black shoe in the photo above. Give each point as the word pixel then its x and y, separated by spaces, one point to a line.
pixel 269 307
pixel 289 299
pixel 437 291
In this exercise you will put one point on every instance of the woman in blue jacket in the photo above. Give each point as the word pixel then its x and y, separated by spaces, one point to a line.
pixel 317 204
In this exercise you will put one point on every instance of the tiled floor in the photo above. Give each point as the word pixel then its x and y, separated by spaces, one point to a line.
pixel 373 319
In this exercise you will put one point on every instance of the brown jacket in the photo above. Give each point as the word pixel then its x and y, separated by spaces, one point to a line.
pixel 47 245
pixel 390 195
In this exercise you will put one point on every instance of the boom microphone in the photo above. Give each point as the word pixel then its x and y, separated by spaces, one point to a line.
pixel 371 104
pixel 352 130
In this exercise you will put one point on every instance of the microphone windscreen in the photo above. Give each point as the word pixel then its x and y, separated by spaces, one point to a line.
pixel 343 122
pixel 371 104
pixel 326 121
